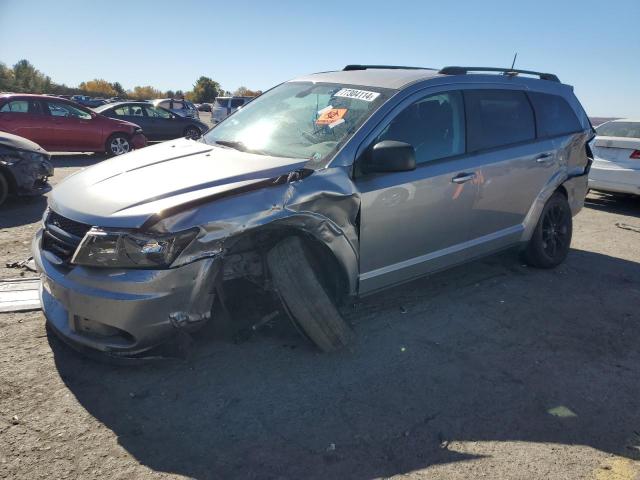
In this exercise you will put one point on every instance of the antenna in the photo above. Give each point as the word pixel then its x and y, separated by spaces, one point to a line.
pixel 514 60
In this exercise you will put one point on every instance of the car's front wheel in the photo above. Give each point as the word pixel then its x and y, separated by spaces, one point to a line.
pixel 304 298
pixel 192 132
pixel 550 242
pixel 118 144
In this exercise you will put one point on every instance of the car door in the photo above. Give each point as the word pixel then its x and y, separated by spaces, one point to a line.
pixel 23 117
pixel 73 128
pixel 415 222
pixel 511 165
pixel 165 125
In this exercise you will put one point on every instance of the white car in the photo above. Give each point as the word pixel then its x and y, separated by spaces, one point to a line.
pixel 616 151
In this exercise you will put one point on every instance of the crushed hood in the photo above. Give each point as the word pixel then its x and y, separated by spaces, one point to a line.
pixel 125 191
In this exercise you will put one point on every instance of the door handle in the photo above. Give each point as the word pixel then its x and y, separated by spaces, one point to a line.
pixel 544 157
pixel 463 177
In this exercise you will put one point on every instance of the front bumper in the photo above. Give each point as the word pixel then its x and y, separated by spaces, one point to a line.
pixel 31 178
pixel 123 312
pixel 139 140
pixel 608 177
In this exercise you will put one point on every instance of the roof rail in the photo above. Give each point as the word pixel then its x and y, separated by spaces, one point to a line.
pixel 505 71
pixel 382 67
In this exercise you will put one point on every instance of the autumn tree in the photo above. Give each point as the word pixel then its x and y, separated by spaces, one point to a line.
pixel 144 93
pixel 98 87
pixel 245 92
pixel 205 90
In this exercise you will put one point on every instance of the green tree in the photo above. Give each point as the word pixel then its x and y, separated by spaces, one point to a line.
pixel 120 91
pixel 6 78
pixel 169 94
pixel 28 79
pixel 205 90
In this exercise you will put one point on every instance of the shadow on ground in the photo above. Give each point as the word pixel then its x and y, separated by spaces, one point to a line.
pixel 614 203
pixel 481 352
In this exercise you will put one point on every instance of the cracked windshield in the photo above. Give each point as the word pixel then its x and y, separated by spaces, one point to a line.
pixel 298 120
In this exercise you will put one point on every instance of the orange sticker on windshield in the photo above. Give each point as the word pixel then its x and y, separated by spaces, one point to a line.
pixel 331 115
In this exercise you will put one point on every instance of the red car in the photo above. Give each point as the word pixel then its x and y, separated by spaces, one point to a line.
pixel 60 125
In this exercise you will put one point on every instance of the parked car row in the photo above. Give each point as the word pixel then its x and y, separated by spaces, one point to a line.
pixel 60 125
pixel 157 122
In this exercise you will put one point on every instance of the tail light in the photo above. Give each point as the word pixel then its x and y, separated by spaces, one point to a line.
pixel 635 155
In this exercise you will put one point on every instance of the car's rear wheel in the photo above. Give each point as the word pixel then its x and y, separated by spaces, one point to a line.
pixel 304 298
pixel 4 188
pixel 118 144
pixel 192 132
pixel 551 239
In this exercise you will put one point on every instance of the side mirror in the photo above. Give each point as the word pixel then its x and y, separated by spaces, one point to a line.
pixel 391 156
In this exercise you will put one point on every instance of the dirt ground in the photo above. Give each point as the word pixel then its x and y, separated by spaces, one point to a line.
pixel 490 370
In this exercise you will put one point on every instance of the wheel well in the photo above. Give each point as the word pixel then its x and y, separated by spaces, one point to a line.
pixel 563 191
pixel 119 133
pixel 10 179
pixel 332 275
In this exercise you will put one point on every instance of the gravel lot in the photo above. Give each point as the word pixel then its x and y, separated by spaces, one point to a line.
pixel 489 370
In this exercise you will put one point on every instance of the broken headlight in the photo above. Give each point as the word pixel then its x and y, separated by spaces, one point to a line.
pixel 100 248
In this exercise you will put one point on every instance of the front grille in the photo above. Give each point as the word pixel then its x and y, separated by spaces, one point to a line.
pixel 62 235
pixel 67 225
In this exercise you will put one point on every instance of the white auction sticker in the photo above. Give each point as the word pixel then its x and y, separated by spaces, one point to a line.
pixel 357 94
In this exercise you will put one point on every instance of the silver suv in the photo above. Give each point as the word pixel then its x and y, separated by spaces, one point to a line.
pixel 329 186
pixel 225 106
pixel 178 106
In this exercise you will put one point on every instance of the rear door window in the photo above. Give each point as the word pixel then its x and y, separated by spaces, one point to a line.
pixel 21 106
pixel 497 118
pixel 554 116
pixel 156 112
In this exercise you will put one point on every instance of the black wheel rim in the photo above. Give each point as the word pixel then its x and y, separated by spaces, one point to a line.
pixel 555 231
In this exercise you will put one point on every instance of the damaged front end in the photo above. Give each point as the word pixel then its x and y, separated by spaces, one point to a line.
pixel 145 299
pixel 27 170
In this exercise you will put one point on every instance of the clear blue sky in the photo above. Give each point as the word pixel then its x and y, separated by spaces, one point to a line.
pixel 593 45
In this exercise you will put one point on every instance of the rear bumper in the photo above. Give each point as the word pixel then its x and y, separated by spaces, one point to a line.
pixel 609 178
pixel 576 188
pixel 123 312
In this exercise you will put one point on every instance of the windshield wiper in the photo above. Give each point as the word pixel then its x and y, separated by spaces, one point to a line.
pixel 231 144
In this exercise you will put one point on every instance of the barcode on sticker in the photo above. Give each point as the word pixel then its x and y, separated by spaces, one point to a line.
pixel 357 94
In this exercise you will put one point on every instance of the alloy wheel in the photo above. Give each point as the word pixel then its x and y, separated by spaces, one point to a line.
pixel 119 146
pixel 555 231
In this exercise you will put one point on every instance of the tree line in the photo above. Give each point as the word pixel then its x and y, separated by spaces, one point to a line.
pixel 23 77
